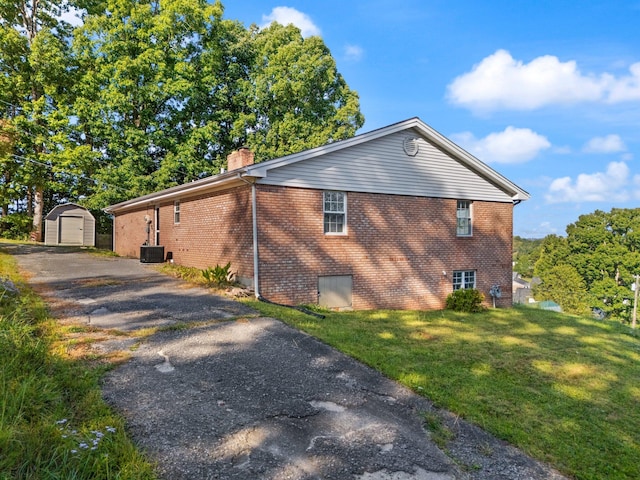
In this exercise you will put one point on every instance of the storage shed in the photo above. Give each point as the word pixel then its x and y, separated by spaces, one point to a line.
pixel 70 224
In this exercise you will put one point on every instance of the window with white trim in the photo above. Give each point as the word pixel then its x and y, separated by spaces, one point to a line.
pixel 463 217
pixel 464 279
pixel 335 213
pixel 176 211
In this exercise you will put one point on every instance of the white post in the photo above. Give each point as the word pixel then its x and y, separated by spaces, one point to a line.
pixel 635 301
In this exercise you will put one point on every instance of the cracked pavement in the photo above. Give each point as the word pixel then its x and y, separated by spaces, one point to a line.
pixel 251 398
pixel 258 399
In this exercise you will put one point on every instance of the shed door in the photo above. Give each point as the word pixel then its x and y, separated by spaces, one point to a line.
pixel 70 230
pixel 335 291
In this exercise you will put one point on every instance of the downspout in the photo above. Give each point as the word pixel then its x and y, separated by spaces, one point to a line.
pixel 113 230
pixel 256 288
pixel 254 220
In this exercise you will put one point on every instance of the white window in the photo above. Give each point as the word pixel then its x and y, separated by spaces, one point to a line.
pixel 335 212
pixel 176 211
pixel 463 215
pixel 464 279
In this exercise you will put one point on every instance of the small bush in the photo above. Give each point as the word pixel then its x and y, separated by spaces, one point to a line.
pixel 465 300
pixel 218 275
pixel 16 226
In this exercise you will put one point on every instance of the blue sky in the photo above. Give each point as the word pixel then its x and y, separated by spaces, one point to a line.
pixel 546 92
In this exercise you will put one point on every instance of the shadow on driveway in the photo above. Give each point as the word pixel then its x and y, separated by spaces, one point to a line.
pixel 251 398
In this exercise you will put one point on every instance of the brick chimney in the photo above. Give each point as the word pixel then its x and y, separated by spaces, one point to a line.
pixel 240 158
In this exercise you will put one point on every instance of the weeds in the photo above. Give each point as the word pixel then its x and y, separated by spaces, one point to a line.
pixel 440 433
pixel 53 421
pixel 219 276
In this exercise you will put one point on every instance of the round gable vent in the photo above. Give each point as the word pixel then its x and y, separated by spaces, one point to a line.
pixel 410 146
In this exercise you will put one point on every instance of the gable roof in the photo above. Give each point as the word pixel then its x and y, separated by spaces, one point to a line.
pixel 260 172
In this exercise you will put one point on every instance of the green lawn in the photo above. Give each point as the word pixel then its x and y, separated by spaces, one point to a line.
pixel 53 421
pixel 564 389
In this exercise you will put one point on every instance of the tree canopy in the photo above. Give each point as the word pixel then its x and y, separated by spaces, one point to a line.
pixel 594 265
pixel 147 94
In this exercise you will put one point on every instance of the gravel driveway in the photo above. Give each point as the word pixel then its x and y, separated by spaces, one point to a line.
pixel 243 397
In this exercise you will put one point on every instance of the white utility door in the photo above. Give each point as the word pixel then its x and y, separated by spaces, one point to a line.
pixel 71 230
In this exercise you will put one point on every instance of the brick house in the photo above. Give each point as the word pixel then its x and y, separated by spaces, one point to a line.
pixel 394 218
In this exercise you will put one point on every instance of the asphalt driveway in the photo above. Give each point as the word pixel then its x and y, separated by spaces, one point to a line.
pixel 244 397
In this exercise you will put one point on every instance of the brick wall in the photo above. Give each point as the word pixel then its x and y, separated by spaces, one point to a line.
pixel 214 229
pixel 396 249
pixel 400 250
pixel 129 232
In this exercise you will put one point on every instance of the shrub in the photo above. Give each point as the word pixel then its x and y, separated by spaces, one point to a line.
pixel 465 300
pixel 16 226
pixel 218 275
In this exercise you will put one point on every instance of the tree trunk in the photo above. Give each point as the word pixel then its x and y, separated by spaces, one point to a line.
pixel 38 205
pixel 29 202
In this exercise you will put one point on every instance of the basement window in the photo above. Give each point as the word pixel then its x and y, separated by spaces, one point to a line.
pixel 335 213
pixel 176 212
pixel 464 279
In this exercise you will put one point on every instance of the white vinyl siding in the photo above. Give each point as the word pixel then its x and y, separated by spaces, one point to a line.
pixel 335 213
pixel 464 279
pixel 463 218
pixel 381 166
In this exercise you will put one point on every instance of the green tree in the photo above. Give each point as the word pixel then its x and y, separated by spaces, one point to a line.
pixel 140 59
pixel 553 251
pixel 526 253
pixel 613 298
pixel 7 143
pixel 148 94
pixel 36 75
pixel 563 285
pixel 297 98
pixel 604 249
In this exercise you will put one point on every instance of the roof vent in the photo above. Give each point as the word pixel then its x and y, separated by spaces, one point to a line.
pixel 410 146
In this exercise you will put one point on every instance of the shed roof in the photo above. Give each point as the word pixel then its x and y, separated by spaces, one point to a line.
pixel 64 206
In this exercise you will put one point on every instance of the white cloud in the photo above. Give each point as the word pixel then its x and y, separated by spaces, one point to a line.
pixel 288 15
pixel 353 52
pixel 608 144
pixel 593 187
pixel 501 82
pixel 513 145
pixel 627 88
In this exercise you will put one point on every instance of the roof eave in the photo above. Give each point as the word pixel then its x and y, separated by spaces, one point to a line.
pixel 215 182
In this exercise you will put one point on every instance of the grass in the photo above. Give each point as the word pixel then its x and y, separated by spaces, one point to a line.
pixel 53 421
pixel 564 389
